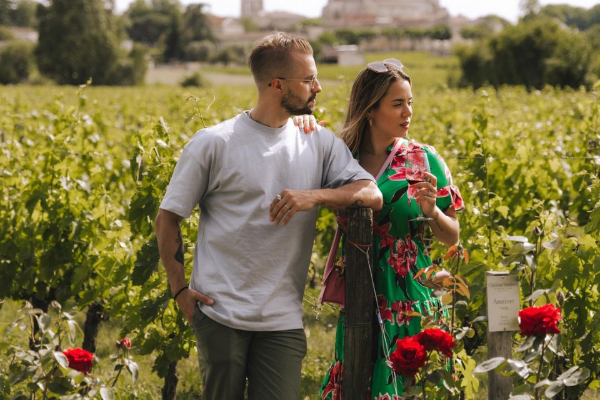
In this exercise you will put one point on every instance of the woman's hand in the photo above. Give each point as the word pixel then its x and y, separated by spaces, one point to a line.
pixel 426 194
pixel 307 122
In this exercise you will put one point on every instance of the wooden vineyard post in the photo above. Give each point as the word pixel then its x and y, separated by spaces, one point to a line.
pixel 503 304
pixel 360 300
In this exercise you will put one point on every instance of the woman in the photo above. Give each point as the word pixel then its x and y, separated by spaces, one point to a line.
pixel 379 115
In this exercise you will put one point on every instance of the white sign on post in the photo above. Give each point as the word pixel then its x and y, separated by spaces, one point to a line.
pixel 503 301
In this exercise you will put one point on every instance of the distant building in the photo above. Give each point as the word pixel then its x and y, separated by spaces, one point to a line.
pixel 342 55
pixel 251 8
pixel 275 20
pixel 226 26
pixel 381 13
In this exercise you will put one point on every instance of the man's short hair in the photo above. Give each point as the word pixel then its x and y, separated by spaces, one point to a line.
pixel 270 58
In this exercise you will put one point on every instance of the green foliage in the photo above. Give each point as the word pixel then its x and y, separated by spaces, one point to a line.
pixel 24 13
pixel 477 31
pixel 198 51
pixel 77 41
pixel 16 62
pixel 354 36
pixel 308 22
pixel 437 32
pixel 146 27
pixel 195 80
pixel 196 25
pixel 130 70
pixel 249 25
pixel 5 9
pixel 18 12
pixel 178 35
pixel 440 32
pixel 173 43
pixel 233 54
pixel 6 33
pixel 534 54
pixel 577 17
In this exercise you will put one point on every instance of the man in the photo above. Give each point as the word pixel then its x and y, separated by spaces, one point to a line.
pixel 258 181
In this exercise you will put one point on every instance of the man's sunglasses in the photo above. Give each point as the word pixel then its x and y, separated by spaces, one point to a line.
pixel 382 66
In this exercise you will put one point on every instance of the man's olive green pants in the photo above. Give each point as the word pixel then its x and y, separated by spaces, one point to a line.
pixel 271 361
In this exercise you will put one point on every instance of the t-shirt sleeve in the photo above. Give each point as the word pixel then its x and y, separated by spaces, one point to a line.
pixel 448 194
pixel 190 178
pixel 339 167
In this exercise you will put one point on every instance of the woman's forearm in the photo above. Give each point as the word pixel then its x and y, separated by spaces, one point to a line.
pixel 445 226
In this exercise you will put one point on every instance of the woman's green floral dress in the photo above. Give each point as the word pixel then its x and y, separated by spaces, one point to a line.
pixel 399 254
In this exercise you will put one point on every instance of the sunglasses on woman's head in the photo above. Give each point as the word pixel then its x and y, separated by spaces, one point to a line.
pixel 382 66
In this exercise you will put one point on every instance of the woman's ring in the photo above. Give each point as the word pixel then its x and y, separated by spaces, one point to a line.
pixel 278 197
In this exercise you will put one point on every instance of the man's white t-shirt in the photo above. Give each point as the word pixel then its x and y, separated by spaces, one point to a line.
pixel 253 269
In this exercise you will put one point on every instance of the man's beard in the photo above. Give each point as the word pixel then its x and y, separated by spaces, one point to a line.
pixel 293 104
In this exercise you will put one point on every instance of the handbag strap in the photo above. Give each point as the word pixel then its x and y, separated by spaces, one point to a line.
pixel 338 232
pixel 388 160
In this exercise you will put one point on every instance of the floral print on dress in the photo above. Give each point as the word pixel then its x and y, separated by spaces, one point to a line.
pixel 401 308
pixel 403 256
pixel 387 397
pixel 334 386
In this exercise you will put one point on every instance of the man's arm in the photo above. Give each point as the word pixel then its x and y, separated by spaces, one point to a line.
pixel 362 192
pixel 170 246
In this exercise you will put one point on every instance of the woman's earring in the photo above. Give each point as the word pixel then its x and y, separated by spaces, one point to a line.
pixel 370 121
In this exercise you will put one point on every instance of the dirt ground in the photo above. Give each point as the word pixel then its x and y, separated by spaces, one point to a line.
pixel 172 75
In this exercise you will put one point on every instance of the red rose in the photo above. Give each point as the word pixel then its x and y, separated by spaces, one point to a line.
pixel 79 359
pixel 408 357
pixel 125 343
pixel 539 321
pixel 436 339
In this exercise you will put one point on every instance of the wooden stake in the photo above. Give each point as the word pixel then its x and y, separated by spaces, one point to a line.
pixel 360 300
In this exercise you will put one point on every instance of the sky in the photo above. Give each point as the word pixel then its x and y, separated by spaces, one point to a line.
pixel 508 9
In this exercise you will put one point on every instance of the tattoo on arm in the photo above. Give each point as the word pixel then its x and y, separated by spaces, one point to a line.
pixel 437 222
pixel 179 253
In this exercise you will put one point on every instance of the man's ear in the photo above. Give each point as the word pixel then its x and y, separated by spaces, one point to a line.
pixel 276 83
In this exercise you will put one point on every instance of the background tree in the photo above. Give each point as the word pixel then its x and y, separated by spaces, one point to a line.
pixel 440 32
pixel 146 23
pixel 533 53
pixel 24 13
pixel 77 41
pixel 477 31
pixel 529 8
pixel 572 16
pixel 173 43
pixel 196 25
pixel 5 8
pixel 16 62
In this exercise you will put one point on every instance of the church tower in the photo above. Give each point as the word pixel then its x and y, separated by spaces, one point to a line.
pixel 251 8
